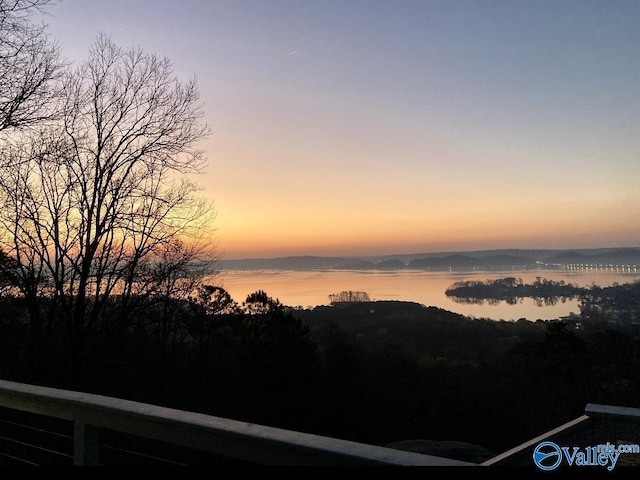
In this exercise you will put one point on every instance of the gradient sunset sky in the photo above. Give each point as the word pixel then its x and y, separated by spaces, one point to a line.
pixel 366 127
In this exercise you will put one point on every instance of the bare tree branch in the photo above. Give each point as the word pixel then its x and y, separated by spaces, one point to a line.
pixel 29 66
pixel 98 205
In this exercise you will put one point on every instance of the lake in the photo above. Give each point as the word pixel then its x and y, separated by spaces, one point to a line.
pixel 311 288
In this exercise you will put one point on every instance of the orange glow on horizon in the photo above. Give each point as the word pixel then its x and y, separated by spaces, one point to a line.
pixel 373 245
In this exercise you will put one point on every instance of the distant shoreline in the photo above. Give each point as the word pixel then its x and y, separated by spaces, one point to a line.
pixel 485 260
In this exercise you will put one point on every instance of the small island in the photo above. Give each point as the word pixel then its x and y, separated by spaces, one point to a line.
pixel 511 289
pixel 615 304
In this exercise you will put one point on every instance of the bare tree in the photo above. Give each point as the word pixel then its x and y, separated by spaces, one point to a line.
pixel 29 65
pixel 99 206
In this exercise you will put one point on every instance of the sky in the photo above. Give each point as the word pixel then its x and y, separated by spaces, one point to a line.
pixel 374 127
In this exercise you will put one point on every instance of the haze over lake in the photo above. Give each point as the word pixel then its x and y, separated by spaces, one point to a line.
pixel 309 288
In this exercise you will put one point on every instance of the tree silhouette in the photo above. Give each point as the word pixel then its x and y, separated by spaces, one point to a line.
pixel 271 361
pixel 29 65
pixel 349 296
pixel 98 205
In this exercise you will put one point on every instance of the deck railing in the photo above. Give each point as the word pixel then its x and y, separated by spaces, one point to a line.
pixel 88 427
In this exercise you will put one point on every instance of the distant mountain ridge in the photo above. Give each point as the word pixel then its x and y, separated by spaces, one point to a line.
pixel 481 260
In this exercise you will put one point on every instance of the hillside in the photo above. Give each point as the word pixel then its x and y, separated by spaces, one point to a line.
pixel 474 260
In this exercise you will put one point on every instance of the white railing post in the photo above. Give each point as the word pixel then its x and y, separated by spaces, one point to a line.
pixel 86 443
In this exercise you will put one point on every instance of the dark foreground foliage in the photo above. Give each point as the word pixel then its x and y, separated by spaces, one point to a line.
pixel 374 372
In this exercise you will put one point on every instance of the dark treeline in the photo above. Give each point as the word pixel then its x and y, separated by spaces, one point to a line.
pixel 207 353
pixel 374 372
pixel 512 289
pixel 411 371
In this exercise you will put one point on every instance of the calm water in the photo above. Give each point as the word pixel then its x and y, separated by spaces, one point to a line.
pixel 311 288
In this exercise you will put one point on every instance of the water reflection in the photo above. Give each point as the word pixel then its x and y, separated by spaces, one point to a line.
pixel 549 301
